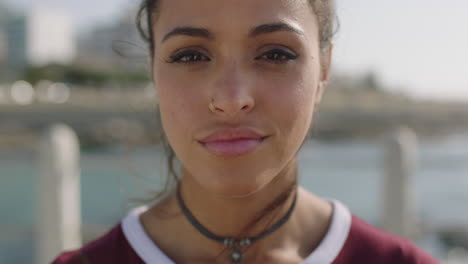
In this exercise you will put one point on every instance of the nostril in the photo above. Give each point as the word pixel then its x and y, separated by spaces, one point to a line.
pixel 217 109
pixel 231 106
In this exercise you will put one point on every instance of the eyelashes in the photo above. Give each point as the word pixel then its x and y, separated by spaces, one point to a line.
pixel 188 57
pixel 278 56
pixel 274 56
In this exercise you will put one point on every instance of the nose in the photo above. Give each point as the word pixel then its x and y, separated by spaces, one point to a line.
pixel 232 93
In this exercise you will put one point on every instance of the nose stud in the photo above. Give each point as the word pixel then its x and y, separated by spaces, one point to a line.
pixel 212 106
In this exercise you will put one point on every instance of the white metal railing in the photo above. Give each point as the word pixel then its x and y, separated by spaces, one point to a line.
pixel 59 212
pixel 398 215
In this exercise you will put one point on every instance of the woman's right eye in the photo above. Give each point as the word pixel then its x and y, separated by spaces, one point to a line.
pixel 188 57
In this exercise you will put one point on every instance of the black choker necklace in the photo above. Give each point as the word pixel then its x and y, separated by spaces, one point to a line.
pixel 236 245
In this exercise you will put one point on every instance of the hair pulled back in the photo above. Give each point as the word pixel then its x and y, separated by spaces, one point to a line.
pixel 324 9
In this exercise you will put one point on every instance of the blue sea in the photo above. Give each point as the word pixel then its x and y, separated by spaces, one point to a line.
pixel 351 171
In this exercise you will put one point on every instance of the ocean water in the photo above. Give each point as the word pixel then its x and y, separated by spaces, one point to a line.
pixel 113 179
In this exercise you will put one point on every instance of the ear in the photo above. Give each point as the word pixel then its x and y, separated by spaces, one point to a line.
pixel 325 73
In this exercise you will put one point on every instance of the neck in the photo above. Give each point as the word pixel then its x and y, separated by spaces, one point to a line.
pixel 241 216
pixel 228 217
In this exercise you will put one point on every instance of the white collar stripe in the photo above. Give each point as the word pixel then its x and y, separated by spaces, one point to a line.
pixel 325 253
pixel 335 238
pixel 140 241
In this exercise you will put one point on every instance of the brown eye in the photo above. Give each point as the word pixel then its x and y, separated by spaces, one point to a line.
pixel 277 56
pixel 188 57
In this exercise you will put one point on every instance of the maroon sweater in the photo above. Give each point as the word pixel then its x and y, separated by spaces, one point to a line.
pixel 364 245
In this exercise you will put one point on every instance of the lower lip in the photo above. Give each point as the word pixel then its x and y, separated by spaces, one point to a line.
pixel 233 147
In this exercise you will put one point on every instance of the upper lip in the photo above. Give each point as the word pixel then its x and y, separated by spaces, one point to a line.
pixel 229 134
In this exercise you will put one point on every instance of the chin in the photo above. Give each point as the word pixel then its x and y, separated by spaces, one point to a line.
pixel 236 190
pixel 236 186
pixel 237 177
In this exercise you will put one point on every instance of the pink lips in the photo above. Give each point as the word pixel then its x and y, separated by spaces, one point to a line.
pixel 232 142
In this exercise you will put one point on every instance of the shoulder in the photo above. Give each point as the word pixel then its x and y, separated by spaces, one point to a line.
pixel 367 244
pixel 112 247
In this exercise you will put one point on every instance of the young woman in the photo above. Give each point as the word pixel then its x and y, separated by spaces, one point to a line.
pixel 238 82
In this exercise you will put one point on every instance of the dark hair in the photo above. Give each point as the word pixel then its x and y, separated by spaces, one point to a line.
pixel 146 16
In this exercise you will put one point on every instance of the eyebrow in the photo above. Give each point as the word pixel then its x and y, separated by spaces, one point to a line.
pixel 274 27
pixel 205 33
pixel 189 31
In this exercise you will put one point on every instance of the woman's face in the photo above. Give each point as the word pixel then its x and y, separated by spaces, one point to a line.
pixel 237 82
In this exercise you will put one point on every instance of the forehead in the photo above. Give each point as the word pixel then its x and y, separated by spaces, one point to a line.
pixel 231 15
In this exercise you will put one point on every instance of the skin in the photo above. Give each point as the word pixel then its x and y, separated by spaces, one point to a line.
pixel 225 76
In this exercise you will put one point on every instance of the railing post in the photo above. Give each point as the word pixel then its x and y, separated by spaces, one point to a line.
pixel 59 209
pixel 399 214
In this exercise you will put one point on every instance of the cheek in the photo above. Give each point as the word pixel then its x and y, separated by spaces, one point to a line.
pixel 176 103
pixel 292 101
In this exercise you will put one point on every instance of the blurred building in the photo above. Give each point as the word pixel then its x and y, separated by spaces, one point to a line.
pixel 115 45
pixel 12 43
pixel 16 38
pixel 3 39
pixel 43 36
pixel 3 48
pixel 50 37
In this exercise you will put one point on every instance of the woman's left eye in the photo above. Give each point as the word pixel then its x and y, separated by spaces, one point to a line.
pixel 188 57
pixel 277 56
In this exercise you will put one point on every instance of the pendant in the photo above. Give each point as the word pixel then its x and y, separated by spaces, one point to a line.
pixel 236 255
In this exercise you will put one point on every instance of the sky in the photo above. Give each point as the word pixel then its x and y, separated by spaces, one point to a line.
pixel 419 47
